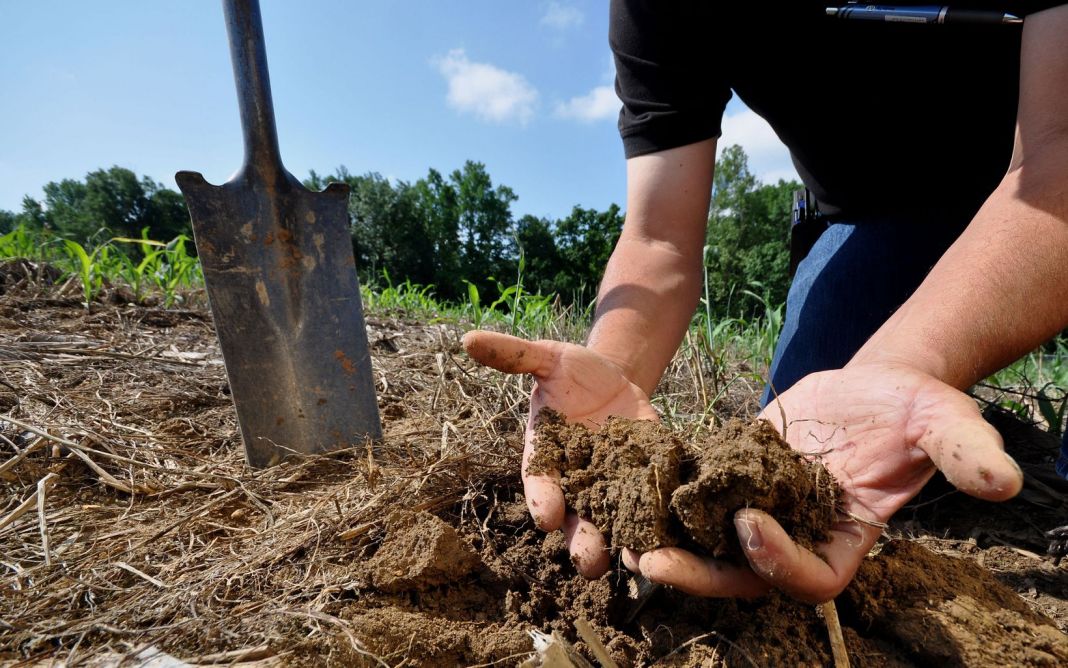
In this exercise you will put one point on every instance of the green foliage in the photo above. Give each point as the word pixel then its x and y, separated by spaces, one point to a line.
pixel 387 232
pixel 169 266
pixel 485 223
pixel 89 267
pixel 25 243
pixel 441 230
pixel 8 221
pixel 32 215
pixel 457 232
pixel 536 241
pixel 1035 387
pixel 112 202
pixel 752 338
pixel 134 271
pixel 585 239
pixel 437 205
pixel 1053 405
pixel 748 237
pixel 410 298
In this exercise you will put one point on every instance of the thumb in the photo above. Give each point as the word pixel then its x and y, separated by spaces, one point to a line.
pixel 965 447
pixel 510 354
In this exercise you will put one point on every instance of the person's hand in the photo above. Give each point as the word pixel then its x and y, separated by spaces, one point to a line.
pixel 881 430
pixel 583 387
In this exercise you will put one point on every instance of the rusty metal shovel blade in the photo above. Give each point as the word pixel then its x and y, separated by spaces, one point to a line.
pixel 281 280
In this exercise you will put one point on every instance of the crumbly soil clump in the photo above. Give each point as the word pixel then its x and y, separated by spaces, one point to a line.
pixel 646 488
pixel 420 551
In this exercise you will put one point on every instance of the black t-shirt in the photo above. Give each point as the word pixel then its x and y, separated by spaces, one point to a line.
pixel 879 117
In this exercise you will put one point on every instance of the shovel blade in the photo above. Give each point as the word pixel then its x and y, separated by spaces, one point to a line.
pixel 281 279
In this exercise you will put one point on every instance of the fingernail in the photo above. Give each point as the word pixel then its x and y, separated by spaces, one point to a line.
pixel 748 533
pixel 1015 465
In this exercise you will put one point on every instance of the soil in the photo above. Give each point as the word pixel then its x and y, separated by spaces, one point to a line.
pixel 645 487
pixel 418 551
pixel 948 612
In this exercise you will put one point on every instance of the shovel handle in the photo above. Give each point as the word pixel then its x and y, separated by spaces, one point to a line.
pixel 249 55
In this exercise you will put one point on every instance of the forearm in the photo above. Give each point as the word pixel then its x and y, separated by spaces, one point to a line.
pixel 653 279
pixel 644 306
pixel 999 291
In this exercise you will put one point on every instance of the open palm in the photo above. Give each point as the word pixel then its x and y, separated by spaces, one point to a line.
pixel 582 386
pixel 881 430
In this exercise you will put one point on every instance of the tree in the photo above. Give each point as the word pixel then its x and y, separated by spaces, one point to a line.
pixel 586 239
pixel 536 241
pixel 166 216
pixel 112 202
pixel 32 215
pixel 437 205
pixel 748 237
pixel 387 232
pixel 8 221
pixel 65 210
pixel 447 231
pixel 485 225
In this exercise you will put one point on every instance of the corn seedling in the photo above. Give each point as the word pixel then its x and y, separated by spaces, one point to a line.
pixel 135 272
pixel 85 267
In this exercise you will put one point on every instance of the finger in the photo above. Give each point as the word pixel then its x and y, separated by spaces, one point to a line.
pixel 700 576
pixel 510 354
pixel 967 449
pixel 631 560
pixel 800 573
pixel 586 546
pixel 545 499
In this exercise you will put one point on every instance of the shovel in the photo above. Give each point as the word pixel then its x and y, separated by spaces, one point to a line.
pixel 281 279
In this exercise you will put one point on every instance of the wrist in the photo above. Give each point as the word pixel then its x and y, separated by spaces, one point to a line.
pixel 922 358
pixel 621 360
pixel 929 365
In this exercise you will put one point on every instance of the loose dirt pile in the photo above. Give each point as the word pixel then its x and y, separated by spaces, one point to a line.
pixel 153 537
pixel 645 487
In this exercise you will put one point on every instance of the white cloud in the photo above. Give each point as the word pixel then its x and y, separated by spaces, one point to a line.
pixel 599 104
pixel 561 16
pixel 769 158
pixel 487 91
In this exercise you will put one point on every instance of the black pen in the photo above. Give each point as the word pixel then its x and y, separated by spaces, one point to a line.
pixel 921 14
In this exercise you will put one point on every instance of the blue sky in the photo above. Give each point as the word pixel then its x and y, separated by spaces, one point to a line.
pixel 389 86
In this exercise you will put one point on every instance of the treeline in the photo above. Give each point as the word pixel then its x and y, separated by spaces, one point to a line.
pixel 457 230
pixel 748 238
pixel 108 203
pixel 452 230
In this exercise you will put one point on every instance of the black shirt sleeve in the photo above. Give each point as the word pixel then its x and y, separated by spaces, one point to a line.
pixel 659 47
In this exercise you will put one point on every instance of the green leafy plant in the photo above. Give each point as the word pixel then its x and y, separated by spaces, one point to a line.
pixel 1053 404
pixel 134 272
pixel 86 269
pixel 19 242
pixel 176 269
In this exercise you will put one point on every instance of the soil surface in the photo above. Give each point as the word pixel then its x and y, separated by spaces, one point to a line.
pixel 153 537
pixel 645 487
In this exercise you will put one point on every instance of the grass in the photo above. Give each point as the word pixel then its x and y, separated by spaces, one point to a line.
pixel 1035 387
pixel 168 268
pixel 717 357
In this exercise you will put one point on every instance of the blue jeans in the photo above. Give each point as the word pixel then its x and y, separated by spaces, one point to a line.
pixel 856 276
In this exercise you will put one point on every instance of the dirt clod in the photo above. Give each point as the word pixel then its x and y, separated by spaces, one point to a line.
pixel 749 466
pixel 948 612
pixel 646 488
pixel 420 551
